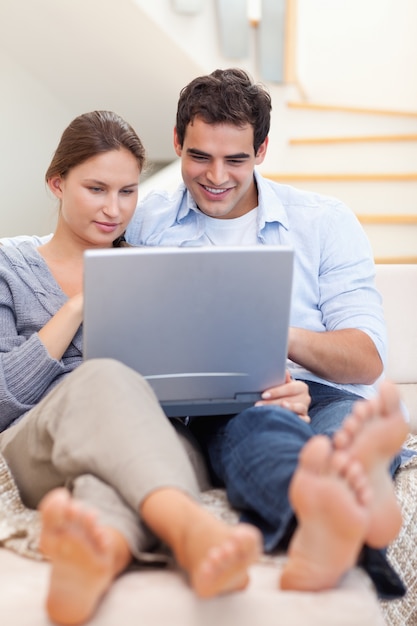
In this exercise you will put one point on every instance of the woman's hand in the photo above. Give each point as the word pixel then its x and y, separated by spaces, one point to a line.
pixel 292 395
pixel 58 333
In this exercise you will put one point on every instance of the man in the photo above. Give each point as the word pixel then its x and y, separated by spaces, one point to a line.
pixel 337 335
pixel 328 499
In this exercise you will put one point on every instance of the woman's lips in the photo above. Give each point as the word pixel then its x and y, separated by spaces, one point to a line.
pixel 107 227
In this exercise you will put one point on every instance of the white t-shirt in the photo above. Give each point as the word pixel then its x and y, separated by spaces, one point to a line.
pixel 234 232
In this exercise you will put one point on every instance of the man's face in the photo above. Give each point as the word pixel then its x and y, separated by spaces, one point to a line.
pixel 217 162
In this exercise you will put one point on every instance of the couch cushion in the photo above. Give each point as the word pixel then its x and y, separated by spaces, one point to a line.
pixel 398 287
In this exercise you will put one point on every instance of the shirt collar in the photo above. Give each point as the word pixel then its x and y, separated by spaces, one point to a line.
pixel 187 204
pixel 270 206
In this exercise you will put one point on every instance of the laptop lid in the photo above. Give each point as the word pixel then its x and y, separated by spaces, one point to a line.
pixel 206 326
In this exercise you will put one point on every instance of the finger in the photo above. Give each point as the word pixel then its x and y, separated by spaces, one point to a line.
pixel 274 393
pixel 299 408
pixel 296 407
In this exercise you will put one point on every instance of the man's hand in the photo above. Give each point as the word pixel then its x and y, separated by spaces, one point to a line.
pixel 292 395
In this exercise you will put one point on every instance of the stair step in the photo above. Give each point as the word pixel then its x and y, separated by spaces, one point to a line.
pixel 353 139
pixel 390 218
pixel 392 240
pixel 336 158
pixel 341 176
pixel 288 123
pixel 316 106
pixel 366 197
pixel 396 259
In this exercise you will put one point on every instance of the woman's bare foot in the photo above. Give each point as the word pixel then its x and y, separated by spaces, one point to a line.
pixel 373 434
pixel 85 557
pixel 217 556
pixel 329 494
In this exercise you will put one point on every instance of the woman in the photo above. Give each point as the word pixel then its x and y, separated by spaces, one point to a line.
pixel 79 435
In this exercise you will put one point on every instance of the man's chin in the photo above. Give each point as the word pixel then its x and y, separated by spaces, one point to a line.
pixel 216 211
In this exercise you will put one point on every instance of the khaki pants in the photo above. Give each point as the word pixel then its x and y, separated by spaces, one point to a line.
pixel 102 433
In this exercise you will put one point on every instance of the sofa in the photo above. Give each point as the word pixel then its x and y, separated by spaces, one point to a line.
pixel 161 597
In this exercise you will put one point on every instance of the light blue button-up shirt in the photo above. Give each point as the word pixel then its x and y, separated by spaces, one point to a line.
pixel 334 269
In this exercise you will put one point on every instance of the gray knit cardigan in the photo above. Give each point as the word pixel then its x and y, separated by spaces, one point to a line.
pixel 29 297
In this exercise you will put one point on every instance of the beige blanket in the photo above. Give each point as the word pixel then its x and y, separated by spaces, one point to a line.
pixel 19 526
pixel 19 531
pixel 403 552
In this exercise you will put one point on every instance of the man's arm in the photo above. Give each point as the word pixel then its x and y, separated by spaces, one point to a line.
pixel 347 356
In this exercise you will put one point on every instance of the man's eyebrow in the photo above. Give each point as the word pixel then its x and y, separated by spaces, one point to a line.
pixel 238 155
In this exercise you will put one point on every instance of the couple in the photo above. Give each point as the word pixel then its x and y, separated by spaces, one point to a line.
pixel 305 480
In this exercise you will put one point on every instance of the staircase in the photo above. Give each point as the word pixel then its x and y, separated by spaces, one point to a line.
pixel 365 157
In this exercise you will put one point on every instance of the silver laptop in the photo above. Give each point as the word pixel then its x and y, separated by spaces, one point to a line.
pixel 206 326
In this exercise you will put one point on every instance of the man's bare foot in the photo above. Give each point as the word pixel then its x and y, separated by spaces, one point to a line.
pixel 329 494
pixel 217 556
pixel 373 434
pixel 85 557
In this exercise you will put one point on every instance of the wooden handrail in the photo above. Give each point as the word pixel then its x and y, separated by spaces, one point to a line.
pixel 349 109
pixel 282 177
pixel 390 218
pixel 352 139
pixel 290 42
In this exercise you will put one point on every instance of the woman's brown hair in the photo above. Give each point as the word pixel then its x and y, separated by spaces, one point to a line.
pixel 91 134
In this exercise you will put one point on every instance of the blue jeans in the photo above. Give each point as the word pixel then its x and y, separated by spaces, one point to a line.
pixel 254 455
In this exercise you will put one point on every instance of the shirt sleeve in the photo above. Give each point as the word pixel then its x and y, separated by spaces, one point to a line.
pixel 348 295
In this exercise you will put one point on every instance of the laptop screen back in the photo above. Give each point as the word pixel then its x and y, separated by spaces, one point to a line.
pixel 207 326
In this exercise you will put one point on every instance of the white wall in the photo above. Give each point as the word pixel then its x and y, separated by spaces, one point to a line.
pixel 196 34
pixel 361 52
pixel 31 120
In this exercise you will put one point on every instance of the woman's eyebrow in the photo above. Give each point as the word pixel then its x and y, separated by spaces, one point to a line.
pixel 94 181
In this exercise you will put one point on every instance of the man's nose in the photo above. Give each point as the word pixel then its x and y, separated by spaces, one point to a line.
pixel 216 173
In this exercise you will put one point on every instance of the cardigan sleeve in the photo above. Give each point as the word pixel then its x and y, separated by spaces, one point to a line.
pixel 27 371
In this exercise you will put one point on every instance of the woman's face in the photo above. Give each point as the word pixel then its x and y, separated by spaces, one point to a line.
pixel 98 197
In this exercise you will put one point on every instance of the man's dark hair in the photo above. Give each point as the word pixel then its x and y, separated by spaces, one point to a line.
pixel 225 97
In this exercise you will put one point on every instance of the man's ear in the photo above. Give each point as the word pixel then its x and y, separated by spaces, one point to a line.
pixel 54 185
pixel 260 155
pixel 177 145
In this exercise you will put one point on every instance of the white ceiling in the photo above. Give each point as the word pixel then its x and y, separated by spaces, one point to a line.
pixel 101 54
